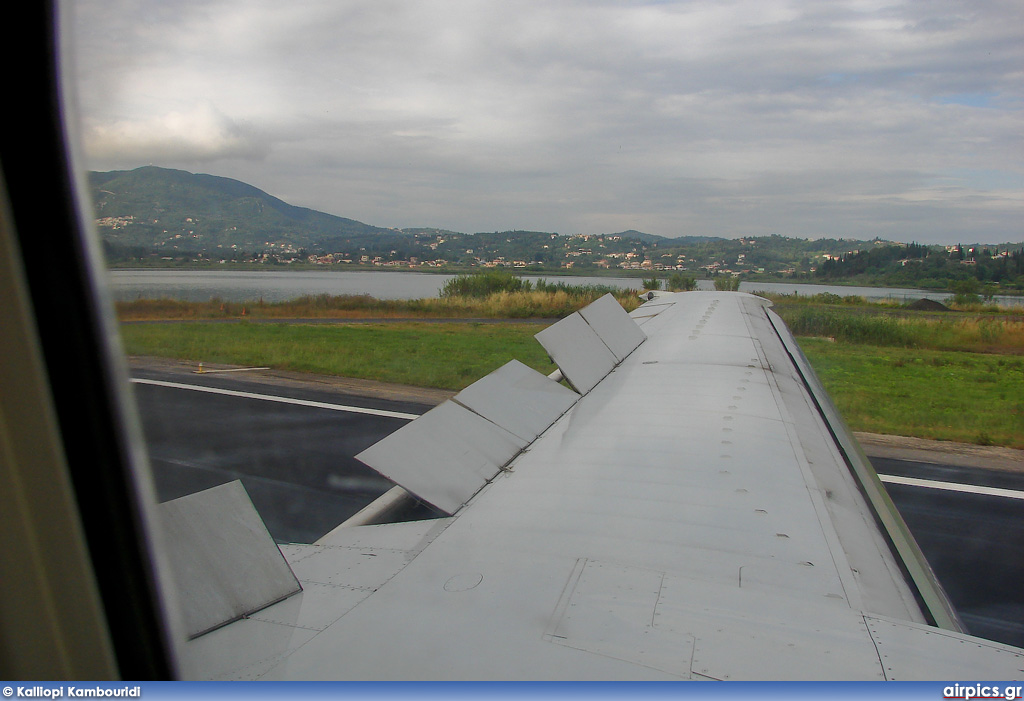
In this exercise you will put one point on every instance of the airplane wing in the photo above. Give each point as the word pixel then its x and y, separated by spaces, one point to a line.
pixel 693 508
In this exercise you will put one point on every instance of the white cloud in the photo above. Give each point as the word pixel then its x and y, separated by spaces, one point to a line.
pixel 201 134
pixel 730 117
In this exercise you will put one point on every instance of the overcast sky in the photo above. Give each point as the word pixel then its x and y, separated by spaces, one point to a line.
pixel 903 120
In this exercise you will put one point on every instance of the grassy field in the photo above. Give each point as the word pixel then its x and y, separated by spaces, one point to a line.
pixel 946 395
pixel 444 355
pixel 956 376
pixel 953 376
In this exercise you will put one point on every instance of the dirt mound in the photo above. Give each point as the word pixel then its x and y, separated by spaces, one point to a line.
pixel 928 305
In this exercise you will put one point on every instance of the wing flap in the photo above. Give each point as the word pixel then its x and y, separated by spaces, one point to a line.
pixel 445 456
pixel 578 352
pixel 519 399
pixel 613 326
pixel 226 565
pixel 588 344
pixel 336 576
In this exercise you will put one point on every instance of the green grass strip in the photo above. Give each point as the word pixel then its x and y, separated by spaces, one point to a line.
pixel 444 355
pixel 945 395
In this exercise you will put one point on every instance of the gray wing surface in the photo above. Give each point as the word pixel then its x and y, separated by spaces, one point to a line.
pixel 696 510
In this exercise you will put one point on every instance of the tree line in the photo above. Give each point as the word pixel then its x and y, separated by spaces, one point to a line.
pixel 928 266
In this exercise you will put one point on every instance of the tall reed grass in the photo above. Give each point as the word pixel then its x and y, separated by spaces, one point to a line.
pixel 492 282
pixel 977 334
pixel 542 300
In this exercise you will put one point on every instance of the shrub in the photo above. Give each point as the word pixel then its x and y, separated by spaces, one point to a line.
pixel 827 298
pixel 677 282
pixel 481 285
pixel 576 290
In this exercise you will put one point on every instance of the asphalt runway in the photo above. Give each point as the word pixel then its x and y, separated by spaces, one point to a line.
pixel 293 446
pixel 295 460
pixel 974 542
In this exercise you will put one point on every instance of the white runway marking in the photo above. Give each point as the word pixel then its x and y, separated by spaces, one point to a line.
pixel 953 486
pixel 204 371
pixel 281 400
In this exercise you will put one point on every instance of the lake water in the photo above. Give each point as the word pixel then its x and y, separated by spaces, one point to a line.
pixel 277 286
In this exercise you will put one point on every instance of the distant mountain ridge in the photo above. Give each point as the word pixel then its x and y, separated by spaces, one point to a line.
pixel 161 216
pixel 167 209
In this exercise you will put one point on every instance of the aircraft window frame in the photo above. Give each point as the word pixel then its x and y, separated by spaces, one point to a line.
pixel 63 273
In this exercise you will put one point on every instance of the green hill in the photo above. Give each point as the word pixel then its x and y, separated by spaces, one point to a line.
pixel 173 210
pixel 664 240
